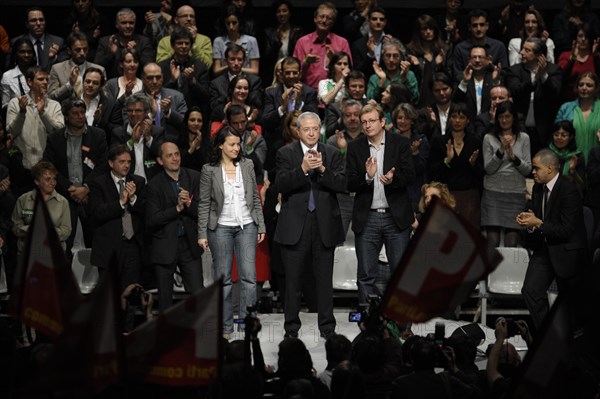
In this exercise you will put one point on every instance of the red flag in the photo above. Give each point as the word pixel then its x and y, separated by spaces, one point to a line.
pixel 89 355
pixel 45 293
pixel 181 347
pixel 440 267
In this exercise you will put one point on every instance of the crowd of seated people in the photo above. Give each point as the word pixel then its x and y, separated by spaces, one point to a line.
pixel 130 106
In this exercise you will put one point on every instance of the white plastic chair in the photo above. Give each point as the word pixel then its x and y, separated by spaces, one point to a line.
pixel 85 273
pixel 345 265
pixel 3 285
pixel 505 283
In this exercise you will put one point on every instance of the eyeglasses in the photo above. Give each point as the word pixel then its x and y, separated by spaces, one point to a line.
pixel 369 122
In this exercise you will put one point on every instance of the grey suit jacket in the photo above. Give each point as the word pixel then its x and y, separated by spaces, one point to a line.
pixel 212 197
pixel 59 76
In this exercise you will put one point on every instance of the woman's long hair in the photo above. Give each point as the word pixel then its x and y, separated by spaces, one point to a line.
pixel 416 45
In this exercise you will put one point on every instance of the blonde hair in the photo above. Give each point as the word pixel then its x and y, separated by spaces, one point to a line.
pixel 445 195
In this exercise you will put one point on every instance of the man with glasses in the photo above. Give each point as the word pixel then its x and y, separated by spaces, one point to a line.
pixel 141 136
pixel 379 167
pixel 201 48
pixel 309 174
pixel 314 50
pixel 478 26
pixel 45 45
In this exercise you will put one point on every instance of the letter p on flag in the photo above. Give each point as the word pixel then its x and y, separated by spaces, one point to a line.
pixel 443 262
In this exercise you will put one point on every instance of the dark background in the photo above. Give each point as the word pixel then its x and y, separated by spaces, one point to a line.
pixel 401 13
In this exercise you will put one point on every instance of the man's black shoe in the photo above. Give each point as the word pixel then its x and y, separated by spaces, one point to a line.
pixel 327 333
pixel 290 334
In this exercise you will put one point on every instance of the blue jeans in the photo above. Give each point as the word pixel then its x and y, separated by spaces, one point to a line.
pixel 222 242
pixel 380 229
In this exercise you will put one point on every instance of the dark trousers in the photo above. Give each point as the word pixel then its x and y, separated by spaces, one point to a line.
pixel 191 273
pixel 79 211
pixel 128 261
pixel 308 253
pixel 538 278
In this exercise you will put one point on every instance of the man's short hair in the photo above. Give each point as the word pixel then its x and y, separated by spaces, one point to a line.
pixel 372 107
pixel 75 36
pixel 378 9
pixel 478 13
pixel 122 12
pixel 71 103
pixel 117 150
pixel 234 110
pixel 42 167
pixel 479 46
pixel 138 97
pixel 97 70
pixel 288 60
pixel 548 157
pixel 329 5
pixel 234 48
pixel 307 115
pixel 355 74
pixel 539 47
pixel 351 103
pixel 32 71
pixel 178 33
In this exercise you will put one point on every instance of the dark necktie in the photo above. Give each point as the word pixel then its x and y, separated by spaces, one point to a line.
pixel 126 218
pixel 42 60
pixel 311 196
pixel 545 201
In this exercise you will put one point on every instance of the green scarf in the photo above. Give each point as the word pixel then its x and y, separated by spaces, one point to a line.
pixel 585 131
pixel 564 156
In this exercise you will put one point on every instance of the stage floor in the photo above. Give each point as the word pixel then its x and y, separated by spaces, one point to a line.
pixel 272 334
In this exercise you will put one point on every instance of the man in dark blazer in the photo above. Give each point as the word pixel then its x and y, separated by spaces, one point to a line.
pixel 433 119
pixel 379 168
pixel 535 75
pixel 118 214
pixel 172 220
pixel 235 56
pixel 356 87
pixel 79 153
pixel 141 137
pixel 45 45
pixel 109 47
pixel 556 234
pixel 309 175
pixel 290 96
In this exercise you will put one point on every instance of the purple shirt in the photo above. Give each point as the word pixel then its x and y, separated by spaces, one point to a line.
pixel 314 73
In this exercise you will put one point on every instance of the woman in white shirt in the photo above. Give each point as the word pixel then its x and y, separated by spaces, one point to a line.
pixel 230 220
pixel 533 26
pixel 333 89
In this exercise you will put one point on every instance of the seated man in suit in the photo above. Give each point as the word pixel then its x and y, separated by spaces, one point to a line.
pixel 185 74
pixel 46 46
pixel 379 167
pixel 66 78
pixel 290 96
pixel 167 106
pixel 142 137
pixel 118 214
pixel 110 46
pixel 556 234
pixel 235 56
pixel 172 219
pixel 79 153
pixel 309 175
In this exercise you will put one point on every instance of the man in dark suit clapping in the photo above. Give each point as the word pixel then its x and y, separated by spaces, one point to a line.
pixel 309 175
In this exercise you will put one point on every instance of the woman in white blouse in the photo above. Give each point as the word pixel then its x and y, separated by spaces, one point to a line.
pixel 333 89
pixel 123 86
pixel 533 26
pixel 230 220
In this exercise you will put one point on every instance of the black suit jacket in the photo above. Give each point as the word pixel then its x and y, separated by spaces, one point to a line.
pixel 470 97
pixel 195 90
pixel 162 218
pixel 546 96
pixel 397 155
pixel 272 122
pixel 45 62
pixel 361 60
pixel 218 94
pixel 295 187
pixel 108 60
pixel 151 167
pixel 563 231
pixel 94 156
pixel 110 116
pixel 107 213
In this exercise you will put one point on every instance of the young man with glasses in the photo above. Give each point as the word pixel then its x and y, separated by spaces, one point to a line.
pixel 478 26
pixel 379 168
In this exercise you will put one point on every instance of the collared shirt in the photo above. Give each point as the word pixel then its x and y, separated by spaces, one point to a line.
pixel 34 41
pixel 138 149
pixel 116 181
pixel 443 119
pixel 74 161
pixel 249 44
pixel 379 199
pixel 91 109
pixel 551 184
pixel 311 44
pixel 378 43
pixel 13 85
pixel 175 187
